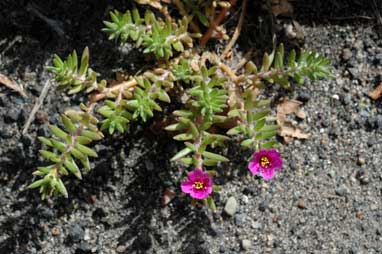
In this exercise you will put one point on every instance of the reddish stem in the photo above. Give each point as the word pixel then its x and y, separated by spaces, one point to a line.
pixel 215 23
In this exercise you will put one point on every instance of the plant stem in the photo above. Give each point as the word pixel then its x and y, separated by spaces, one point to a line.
pixel 215 23
pixel 236 34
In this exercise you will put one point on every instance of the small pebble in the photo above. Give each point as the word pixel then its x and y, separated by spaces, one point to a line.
pixel 121 249
pixel 246 244
pixel 231 206
pixel 245 199
pixel 361 161
pixel 346 54
pixel 342 191
pixel 76 233
pixel 56 231
pixel 257 225
pixel 360 215
pixel 264 206
pixel 239 219
pixel 363 177
pixel 84 248
pixel 301 204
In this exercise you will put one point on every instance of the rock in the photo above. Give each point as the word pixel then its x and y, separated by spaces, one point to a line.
pixel 363 177
pixel 347 100
pixel 353 72
pixel 45 212
pixel 231 206
pixel 12 115
pixel 149 165
pixel 56 231
pixel 245 199
pixel 358 45
pixel 364 113
pixel 99 213
pixel 360 215
pixel 301 204
pixel 76 233
pixel 289 32
pixel 361 161
pixel 249 190
pixel 332 173
pixel 378 122
pixel 378 58
pixel 246 244
pixel 83 248
pixel 87 236
pixel 346 54
pixel 257 225
pixel 264 205
pixel 342 191
pixel 121 249
pixel 41 117
pixel 340 81
pixel 239 219
pixel 304 97
pixel 371 122
pixel 43 131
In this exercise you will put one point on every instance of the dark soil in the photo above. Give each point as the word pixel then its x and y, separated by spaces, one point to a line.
pixel 326 200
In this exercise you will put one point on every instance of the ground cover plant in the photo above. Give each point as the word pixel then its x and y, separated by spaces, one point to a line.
pixel 216 101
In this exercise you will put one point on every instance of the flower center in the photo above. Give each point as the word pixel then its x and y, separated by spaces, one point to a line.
pixel 198 185
pixel 264 162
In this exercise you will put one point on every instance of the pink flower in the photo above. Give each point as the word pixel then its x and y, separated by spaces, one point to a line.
pixel 265 163
pixel 198 184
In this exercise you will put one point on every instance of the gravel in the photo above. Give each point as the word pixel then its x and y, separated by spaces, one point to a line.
pixel 336 173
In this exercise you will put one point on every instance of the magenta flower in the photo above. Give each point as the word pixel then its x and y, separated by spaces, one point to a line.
pixel 265 162
pixel 198 184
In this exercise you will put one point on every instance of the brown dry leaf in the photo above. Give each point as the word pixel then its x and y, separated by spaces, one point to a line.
pixel 12 85
pixel 282 7
pixel 376 93
pixel 287 130
pixel 153 3
pixel 168 195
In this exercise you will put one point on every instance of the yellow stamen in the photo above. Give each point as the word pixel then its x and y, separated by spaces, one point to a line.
pixel 198 185
pixel 264 162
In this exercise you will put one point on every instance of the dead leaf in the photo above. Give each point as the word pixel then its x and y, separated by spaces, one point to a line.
pixel 287 130
pixel 301 114
pixel 168 195
pixel 376 93
pixel 12 85
pixel 153 3
pixel 282 7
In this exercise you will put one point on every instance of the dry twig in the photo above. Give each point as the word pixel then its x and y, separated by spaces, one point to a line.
pixel 36 106
pixel 236 34
pixel 122 86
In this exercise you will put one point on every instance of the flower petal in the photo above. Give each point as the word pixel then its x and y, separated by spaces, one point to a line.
pixel 195 175
pixel 207 181
pixel 208 190
pixel 277 164
pixel 254 167
pixel 187 187
pixel 268 174
pixel 199 194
